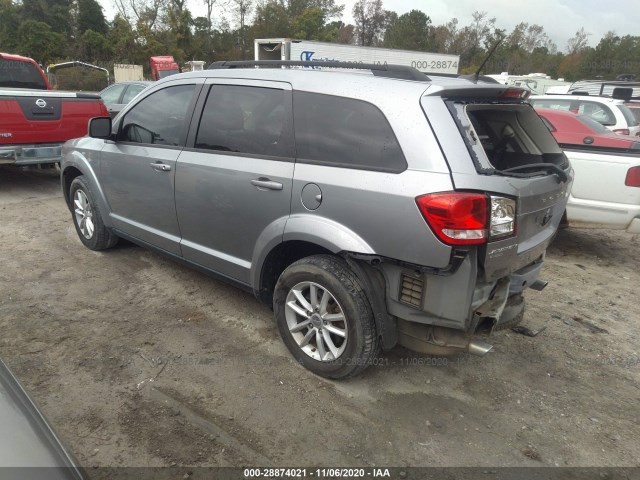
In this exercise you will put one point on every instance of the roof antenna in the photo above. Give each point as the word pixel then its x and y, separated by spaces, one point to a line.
pixel 476 76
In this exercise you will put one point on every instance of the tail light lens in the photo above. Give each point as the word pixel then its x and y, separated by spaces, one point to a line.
pixel 516 93
pixel 622 131
pixel 633 177
pixel 459 218
pixel 503 217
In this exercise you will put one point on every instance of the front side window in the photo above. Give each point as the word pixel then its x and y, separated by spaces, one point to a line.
pixel 246 120
pixel 344 132
pixel 160 118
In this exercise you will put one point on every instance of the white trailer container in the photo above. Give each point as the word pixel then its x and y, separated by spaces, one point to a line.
pixel 310 51
pixel 123 72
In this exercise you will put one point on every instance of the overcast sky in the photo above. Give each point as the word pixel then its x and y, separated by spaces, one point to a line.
pixel 560 18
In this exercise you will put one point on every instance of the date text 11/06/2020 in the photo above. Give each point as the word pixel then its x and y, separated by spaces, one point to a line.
pixel 317 473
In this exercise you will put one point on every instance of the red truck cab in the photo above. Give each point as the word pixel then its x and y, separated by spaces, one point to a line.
pixel 163 66
pixel 21 72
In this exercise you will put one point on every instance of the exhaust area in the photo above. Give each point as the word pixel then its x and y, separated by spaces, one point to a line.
pixel 432 340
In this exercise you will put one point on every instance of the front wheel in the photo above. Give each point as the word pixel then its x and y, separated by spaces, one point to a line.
pixel 87 218
pixel 324 317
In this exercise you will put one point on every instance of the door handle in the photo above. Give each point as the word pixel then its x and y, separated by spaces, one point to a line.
pixel 160 167
pixel 266 184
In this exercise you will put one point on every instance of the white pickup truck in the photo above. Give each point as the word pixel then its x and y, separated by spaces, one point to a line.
pixel 606 189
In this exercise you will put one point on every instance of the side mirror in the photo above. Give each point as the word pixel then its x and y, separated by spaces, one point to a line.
pixel 100 127
pixel 588 140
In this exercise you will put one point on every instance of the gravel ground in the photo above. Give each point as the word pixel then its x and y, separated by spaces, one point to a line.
pixel 138 361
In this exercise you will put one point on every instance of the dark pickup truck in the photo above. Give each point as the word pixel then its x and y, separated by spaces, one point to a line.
pixel 34 120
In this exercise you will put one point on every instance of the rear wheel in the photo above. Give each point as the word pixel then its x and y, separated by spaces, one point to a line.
pixel 87 218
pixel 324 317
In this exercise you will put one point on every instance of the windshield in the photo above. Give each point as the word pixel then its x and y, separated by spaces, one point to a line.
pixel 632 121
pixel 17 74
pixel 594 125
pixel 166 73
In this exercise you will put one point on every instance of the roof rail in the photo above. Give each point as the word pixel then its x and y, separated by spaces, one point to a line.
pixel 389 71
pixel 616 89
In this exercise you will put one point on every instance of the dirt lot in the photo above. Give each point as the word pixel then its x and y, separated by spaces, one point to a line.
pixel 139 361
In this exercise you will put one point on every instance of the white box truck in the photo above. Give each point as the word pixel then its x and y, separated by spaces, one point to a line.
pixel 311 51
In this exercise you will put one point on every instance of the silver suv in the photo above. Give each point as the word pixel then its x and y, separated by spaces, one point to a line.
pixel 370 206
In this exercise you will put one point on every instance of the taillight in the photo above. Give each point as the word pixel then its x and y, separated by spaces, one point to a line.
pixel 516 93
pixel 622 131
pixel 503 217
pixel 456 218
pixel 633 177
pixel 459 218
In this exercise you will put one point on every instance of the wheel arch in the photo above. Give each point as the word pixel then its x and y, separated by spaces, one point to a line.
pixel 74 166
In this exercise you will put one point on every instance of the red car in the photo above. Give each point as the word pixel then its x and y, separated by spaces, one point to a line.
pixel 569 128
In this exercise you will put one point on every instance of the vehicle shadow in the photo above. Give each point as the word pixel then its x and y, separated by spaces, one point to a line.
pixel 20 183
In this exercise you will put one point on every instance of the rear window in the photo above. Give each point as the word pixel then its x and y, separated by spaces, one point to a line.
pixel 15 74
pixel 594 125
pixel 632 121
pixel 344 132
pixel 636 112
pixel 507 136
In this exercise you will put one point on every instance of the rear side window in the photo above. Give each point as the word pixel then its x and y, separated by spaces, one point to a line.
pixel 344 132
pixel 160 118
pixel 16 74
pixel 247 120
pixel 600 113
pixel 112 93
pixel 131 92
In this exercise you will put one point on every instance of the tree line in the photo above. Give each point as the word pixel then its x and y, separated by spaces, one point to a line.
pixel 56 30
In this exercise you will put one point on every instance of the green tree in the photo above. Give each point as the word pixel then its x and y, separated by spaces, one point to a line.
pixel 90 17
pixel 271 21
pixel 38 41
pixel 371 21
pixel 410 31
pixel 9 18
pixel 55 13
pixel 95 47
pixel 309 25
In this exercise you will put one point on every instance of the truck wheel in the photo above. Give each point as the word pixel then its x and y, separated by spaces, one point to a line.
pixel 87 218
pixel 324 317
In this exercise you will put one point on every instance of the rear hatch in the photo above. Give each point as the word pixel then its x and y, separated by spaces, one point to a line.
pixel 502 148
pixel 32 117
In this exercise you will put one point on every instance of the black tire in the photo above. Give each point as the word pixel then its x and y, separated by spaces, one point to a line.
pixel 101 237
pixel 334 275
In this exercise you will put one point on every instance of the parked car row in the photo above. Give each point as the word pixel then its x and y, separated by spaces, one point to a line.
pixel 599 131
